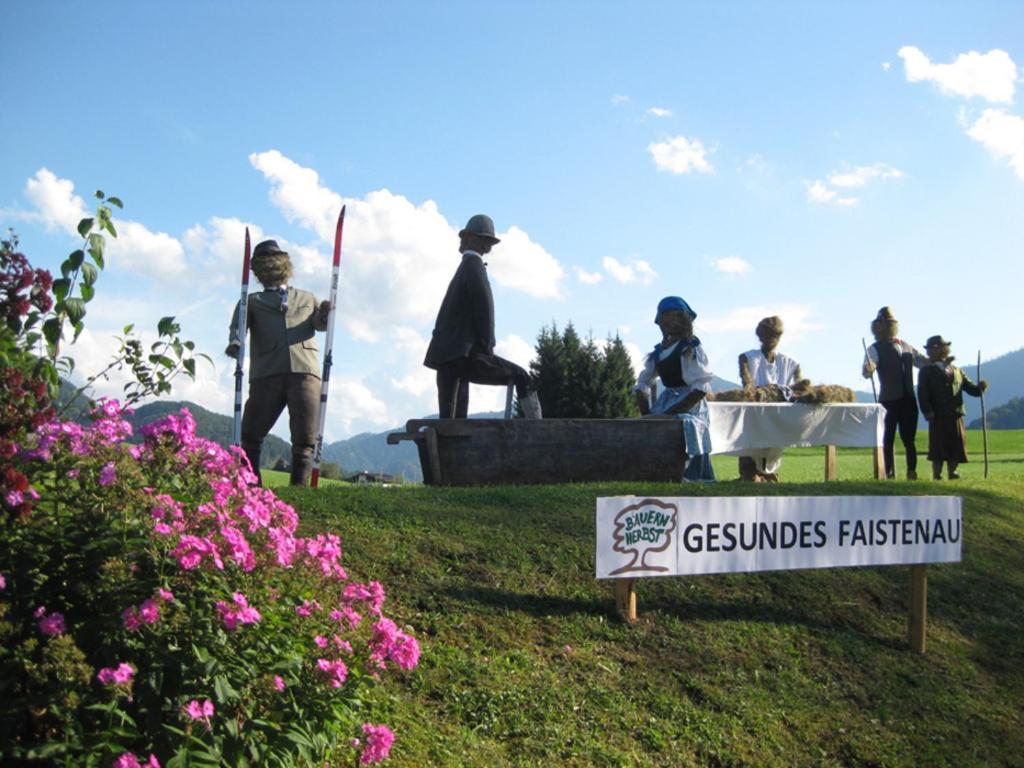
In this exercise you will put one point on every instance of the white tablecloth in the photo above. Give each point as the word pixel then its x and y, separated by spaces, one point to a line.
pixel 737 427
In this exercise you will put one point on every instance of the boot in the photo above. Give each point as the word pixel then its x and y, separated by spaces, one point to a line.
pixel 530 405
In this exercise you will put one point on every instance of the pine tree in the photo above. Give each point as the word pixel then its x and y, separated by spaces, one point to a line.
pixel 549 370
pixel 617 380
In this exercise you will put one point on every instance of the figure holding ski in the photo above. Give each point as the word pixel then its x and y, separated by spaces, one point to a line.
pixel 284 360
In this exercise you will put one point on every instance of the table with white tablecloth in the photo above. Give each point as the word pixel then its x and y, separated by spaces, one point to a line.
pixel 737 428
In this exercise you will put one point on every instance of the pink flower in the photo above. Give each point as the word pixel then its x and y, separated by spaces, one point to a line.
pixel 130 619
pixel 3 582
pixel 128 760
pixel 119 675
pixel 149 611
pixel 279 683
pixel 200 710
pixel 335 671
pixel 379 739
pixel 240 612
pixel 108 474
pixel 165 594
pixel 391 644
pixel 321 641
pixel 50 625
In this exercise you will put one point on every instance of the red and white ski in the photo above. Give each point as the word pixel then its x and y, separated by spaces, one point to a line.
pixel 325 379
pixel 243 307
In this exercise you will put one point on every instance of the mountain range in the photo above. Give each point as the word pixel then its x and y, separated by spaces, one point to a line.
pixel 369 451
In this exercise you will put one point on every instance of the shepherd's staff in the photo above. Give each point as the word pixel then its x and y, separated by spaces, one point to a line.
pixel 874 394
pixel 984 425
pixel 325 379
pixel 243 306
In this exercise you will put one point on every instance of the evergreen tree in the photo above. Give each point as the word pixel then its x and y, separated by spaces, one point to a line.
pixel 549 371
pixel 617 380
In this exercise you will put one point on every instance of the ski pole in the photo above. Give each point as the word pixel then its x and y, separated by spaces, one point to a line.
pixel 984 421
pixel 325 379
pixel 243 306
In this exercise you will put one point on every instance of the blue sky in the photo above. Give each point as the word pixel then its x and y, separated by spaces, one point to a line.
pixel 812 160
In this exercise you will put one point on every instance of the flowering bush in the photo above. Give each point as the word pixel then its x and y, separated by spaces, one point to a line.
pixel 156 606
pixel 159 606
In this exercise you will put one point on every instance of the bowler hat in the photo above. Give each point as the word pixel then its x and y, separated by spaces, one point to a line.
pixel 481 226
pixel 267 248
pixel 936 341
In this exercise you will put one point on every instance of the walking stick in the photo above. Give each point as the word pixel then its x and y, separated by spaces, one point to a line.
pixel 325 379
pixel 984 424
pixel 243 307
pixel 874 394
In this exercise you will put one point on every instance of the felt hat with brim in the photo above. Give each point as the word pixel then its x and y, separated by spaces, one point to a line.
pixel 885 314
pixel 936 341
pixel 267 248
pixel 481 226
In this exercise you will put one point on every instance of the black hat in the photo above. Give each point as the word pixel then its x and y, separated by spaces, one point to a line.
pixel 481 226
pixel 267 248
pixel 936 341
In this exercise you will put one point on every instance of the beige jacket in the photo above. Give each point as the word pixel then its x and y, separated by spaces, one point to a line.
pixel 280 342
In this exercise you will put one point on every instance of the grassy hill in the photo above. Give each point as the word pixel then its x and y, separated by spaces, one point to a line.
pixel 525 663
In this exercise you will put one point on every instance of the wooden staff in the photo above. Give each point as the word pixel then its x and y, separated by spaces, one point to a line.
pixel 984 424
pixel 864 344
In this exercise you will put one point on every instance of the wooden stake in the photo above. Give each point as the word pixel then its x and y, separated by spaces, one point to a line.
pixel 917 628
pixel 625 599
pixel 830 462
pixel 879 462
pixel 984 421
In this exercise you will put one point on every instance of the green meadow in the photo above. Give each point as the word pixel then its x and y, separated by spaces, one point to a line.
pixel 526 663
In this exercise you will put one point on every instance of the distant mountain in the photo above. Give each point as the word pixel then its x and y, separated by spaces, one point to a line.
pixel 1005 376
pixel 1009 415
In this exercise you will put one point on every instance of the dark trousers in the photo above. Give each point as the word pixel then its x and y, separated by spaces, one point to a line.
pixel 900 415
pixel 455 376
pixel 268 396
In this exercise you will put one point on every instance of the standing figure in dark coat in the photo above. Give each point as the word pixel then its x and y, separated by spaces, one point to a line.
pixel 940 389
pixel 284 362
pixel 462 346
pixel 894 359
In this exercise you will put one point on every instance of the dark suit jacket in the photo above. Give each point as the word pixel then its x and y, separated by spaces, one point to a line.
pixel 280 342
pixel 465 322
pixel 944 396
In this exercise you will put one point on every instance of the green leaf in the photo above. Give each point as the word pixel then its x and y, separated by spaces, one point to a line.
pixel 115 201
pixel 89 274
pixel 167 326
pixel 97 245
pixel 222 689
pixel 128 328
pixel 75 309
pixel 99 194
pixel 61 286
pixel 190 368
pixel 84 226
pixel 79 326
pixel 109 226
pixel 87 292
pixel 51 330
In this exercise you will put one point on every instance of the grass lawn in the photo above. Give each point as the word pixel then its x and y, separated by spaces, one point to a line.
pixel 525 663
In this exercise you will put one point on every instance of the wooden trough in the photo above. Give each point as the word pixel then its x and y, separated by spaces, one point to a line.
pixel 523 451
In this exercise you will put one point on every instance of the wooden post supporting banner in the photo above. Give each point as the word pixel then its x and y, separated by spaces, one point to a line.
pixel 830 462
pixel 625 599
pixel 879 462
pixel 918 623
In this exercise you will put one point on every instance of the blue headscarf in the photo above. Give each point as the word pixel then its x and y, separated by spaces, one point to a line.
pixel 674 302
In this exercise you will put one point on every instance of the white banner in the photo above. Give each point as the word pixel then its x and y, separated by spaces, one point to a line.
pixel 640 537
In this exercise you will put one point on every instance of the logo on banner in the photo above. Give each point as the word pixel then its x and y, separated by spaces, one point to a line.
pixel 642 529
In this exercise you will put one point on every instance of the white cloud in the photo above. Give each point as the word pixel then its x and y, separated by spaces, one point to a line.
pixel 618 99
pixel 860 176
pixel 1003 135
pixel 136 248
pixel 637 270
pixel 659 112
pixel 352 401
pixel 516 349
pixel 523 265
pixel 798 319
pixel 680 155
pixel 828 192
pixel 992 76
pixel 817 192
pixel 398 256
pixel 588 278
pixel 886 66
pixel 731 265
pixel 57 206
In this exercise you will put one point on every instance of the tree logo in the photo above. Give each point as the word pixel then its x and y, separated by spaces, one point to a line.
pixel 643 528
